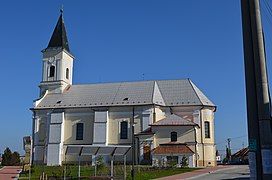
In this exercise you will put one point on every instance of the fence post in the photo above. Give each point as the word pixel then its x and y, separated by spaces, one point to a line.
pixel 125 168
pixel 112 167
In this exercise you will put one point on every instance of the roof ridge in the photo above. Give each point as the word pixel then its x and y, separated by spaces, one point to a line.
pixel 159 91
pixel 190 82
pixel 120 84
pixel 132 81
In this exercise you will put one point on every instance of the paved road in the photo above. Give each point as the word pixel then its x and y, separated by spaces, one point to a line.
pixel 240 172
pixel 9 172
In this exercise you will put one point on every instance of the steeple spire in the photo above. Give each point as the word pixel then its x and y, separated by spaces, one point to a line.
pixel 59 37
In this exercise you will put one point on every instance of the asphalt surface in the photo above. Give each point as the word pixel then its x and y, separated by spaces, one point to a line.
pixel 238 172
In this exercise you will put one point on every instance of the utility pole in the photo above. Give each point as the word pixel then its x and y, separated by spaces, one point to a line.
pixel 228 143
pixel 257 94
pixel 229 149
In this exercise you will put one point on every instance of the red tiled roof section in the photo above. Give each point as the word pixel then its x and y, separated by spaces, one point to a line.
pixel 172 149
pixel 173 120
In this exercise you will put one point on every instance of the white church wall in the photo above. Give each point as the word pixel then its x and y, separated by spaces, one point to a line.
pixel 119 114
pixel 61 60
pixel 147 117
pixel 210 154
pixel 100 131
pixel 115 119
pixel 71 119
pixel 67 62
pixel 208 115
pixel 40 129
pixel 160 113
pixel 38 154
pixel 50 58
pixel 55 139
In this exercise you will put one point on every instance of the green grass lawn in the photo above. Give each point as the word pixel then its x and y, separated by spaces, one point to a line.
pixel 141 173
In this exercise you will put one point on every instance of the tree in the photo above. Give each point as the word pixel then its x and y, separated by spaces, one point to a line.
pixel 6 157
pixel 15 159
pixel 9 158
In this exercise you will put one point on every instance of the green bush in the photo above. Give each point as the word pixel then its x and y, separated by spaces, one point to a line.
pixel 184 162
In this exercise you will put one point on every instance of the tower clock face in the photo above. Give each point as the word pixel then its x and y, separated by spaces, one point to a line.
pixel 51 59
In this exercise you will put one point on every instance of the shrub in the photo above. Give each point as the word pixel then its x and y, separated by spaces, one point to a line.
pixel 184 162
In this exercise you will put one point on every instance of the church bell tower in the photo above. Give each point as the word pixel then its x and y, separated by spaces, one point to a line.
pixel 57 72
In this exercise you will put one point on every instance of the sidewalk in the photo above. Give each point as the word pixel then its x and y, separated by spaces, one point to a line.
pixel 10 172
pixel 195 173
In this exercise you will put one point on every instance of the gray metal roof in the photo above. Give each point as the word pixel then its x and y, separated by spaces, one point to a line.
pixel 163 92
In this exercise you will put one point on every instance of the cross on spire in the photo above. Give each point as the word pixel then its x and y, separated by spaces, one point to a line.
pixel 61 9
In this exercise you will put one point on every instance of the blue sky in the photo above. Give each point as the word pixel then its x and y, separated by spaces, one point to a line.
pixel 119 41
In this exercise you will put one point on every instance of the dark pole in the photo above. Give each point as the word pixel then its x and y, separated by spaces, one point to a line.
pixel 258 102
pixel 229 150
pixel 132 144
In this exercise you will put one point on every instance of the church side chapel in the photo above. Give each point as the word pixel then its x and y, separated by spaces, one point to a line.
pixel 170 121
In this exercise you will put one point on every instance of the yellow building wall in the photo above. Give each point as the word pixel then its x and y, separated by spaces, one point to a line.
pixel 163 134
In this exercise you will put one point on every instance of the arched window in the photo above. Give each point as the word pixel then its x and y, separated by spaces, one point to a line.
pixel 174 136
pixel 67 73
pixel 207 129
pixel 124 130
pixel 52 71
pixel 79 131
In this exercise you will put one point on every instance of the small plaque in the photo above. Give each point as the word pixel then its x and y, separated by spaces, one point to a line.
pixel 252 145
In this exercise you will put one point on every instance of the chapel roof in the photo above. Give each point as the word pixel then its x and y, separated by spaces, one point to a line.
pixel 161 92
pixel 173 120
pixel 177 148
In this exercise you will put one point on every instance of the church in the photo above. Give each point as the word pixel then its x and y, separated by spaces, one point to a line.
pixel 146 122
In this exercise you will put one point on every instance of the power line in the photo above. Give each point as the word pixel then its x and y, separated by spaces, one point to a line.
pixel 267 12
pixel 225 141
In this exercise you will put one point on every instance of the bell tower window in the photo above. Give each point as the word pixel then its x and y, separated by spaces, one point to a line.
pixel 52 71
pixel 67 73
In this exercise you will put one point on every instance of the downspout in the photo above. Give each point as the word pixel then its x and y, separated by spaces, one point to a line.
pixel 195 148
pixel 138 150
pixel 132 144
pixel 154 114
pixel 201 126
pixel 32 138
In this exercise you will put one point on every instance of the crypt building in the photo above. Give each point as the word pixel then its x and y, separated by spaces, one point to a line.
pixel 167 119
